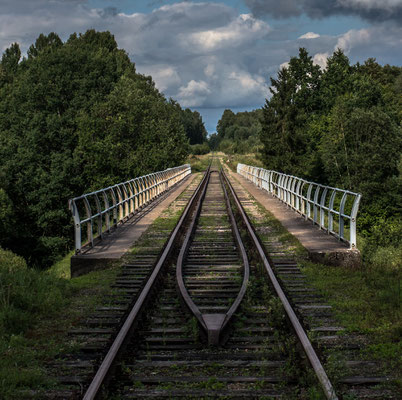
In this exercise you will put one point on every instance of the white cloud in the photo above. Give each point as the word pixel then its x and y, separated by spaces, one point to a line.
pixel 379 41
pixel 352 39
pixel 243 29
pixel 164 76
pixel 321 59
pixel 309 35
pixel 194 93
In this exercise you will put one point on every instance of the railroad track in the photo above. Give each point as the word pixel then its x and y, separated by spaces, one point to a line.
pixel 203 319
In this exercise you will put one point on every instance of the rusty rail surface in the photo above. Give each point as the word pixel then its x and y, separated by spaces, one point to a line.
pixel 300 332
pixel 213 324
pixel 124 333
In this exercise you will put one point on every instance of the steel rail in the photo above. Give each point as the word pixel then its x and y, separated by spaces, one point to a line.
pixel 213 324
pixel 326 385
pixel 120 339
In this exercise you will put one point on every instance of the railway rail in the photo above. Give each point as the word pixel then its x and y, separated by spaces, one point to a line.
pixel 205 314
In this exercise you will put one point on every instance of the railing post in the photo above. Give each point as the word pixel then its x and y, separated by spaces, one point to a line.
pixel 330 211
pixel 77 225
pixel 322 210
pixel 353 214
pixel 298 194
pixel 341 217
pixel 99 212
pixel 90 235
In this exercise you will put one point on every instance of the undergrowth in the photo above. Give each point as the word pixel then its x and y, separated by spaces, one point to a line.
pixel 36 309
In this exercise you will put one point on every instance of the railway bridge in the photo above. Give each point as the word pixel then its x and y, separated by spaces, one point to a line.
pixel 210 300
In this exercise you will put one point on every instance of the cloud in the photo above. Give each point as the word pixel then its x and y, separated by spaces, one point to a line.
pixel 354 38
pixel 108 12
pixel 194 93
pixel 238 32
pixel 379 41
pixel 205 55
pixel 309 35
pixel 321 59
pixel 165 76
pixel 371 10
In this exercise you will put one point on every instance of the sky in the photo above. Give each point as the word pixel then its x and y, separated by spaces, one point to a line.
pixel 214 55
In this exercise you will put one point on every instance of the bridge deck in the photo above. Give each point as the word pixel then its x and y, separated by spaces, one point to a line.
pixel 321 246
pixel 115 245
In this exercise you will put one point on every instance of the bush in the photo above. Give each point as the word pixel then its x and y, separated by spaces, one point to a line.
pixel 199 149
pixel 25 294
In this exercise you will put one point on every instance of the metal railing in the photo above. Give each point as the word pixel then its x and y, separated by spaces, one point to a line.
pixel 104 209
pixel 333 209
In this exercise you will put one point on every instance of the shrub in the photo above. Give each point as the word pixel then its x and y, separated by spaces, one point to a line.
pixel 25 294
pixel 199 149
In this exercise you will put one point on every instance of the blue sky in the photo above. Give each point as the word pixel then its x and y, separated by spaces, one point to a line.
pixel 214 55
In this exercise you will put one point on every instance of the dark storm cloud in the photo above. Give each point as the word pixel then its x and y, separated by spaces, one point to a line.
pixel 371 10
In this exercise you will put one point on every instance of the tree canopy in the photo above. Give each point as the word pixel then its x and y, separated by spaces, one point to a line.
pixel 339 126
pixel 238 133
pixel 75 116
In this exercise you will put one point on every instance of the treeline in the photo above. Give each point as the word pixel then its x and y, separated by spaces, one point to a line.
pixel 339 126
pixel 74 117
pixel 238 133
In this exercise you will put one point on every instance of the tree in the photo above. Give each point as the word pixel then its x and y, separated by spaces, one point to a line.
pixel 66 99
pixel 295 99
pixel 226 120
pixel 133 132
pixel 342 127
pixel 194 126
pixel 335 79
pixel 44 43
pixel 9 63
pixel 239 132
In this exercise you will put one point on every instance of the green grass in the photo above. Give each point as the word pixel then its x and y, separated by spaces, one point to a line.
pixel 199 163
pixel 37 308
pixel 232 160
pixel 62 267
pixel 366 301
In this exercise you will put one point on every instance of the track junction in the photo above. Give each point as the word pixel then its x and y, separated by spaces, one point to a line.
pixel 214 308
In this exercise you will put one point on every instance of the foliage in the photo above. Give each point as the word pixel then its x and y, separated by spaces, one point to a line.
pixel 340 126
pixel 213 141
pixel 74 116
pixel 193 126
pixel 237 133
pixel 199 149
pixel 25 293
pixel 366 300
pixel 37 309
